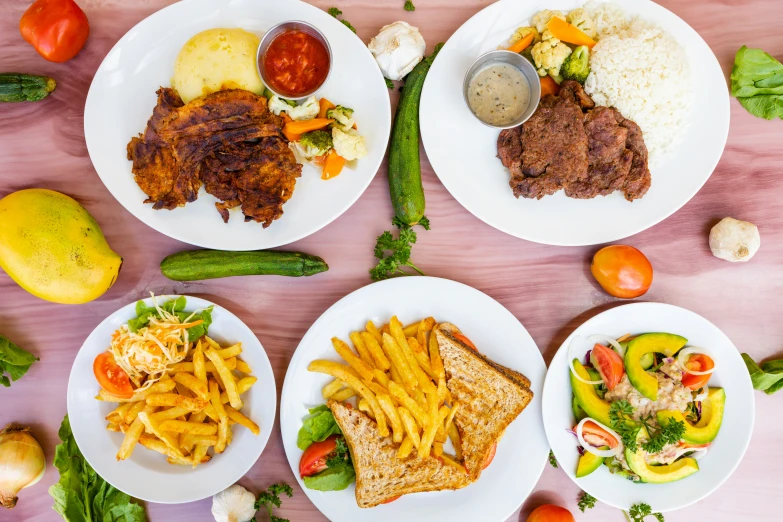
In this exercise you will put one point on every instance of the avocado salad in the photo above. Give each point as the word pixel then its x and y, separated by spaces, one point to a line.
pixel 643 407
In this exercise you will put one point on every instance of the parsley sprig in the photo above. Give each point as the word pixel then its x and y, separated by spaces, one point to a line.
pixel 623 422
pixel 399 251
pixel 586 501
pixel 271 497
pixel 660 437
pixel 552 459
pixel 409 6
pixel 335 13
pixel 389 83
pixel 339 456
pixel 639 512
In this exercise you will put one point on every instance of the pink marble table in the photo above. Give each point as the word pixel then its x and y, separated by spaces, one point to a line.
pixel 548 288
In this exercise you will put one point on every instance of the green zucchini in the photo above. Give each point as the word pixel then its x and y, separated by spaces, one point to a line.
pixel 407 193
pixel 195 265
pixel 16 87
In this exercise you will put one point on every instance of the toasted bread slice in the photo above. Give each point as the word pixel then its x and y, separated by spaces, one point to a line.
pixel 491 396
pixel 380 475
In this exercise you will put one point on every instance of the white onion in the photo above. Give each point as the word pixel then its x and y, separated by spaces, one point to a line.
pixel 611 452
pixel 605 338
pixel 571 364
pixel 682 358
pixel 702 396
pixel 698 453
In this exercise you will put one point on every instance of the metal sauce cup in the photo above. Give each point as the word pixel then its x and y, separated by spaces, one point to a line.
pixel 520 63
pixel 274 32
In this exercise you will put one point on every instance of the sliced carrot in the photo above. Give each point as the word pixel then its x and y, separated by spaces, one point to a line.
pixel 290 136
pixel 286 117
pixel 325 105
pixel 568 33
pixel 333 165
pixel 319 160
pixel 302 126
pixel 522 44
pixel 548 86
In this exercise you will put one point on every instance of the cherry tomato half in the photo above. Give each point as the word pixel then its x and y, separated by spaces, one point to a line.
pixel 622 271
pixel 389 501
pixel 314 457
pixel 697 362
pixel 464 340
pixel 609 364
pixel 596 436
pixel 111 377
pixel 550 513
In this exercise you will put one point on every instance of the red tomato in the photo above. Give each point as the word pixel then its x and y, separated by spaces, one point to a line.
pixel 698 362
pixel 596 436
pixel 464 340
pixel 490 456
pixel 57 29
pixel 622 271
pixel 550 513
pixel 111 377
pixel 609 364
pixel 389 501
pixel 314 457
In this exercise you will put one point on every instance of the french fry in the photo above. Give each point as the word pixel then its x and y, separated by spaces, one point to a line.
pixel 361 349
pixel 209 440
pixel 375 350
pixel 443 392
pixel 113 427
pixel 150 442
pixel 344 394
pixel 343 373
pixel 447 459
pixel 398 431
pixel 375 387
pixel 243 367
pixel 450 418
pixel 117 415
pixel 132 435
pixel 364 406
pixel 372 330
pixel 400 395
pixel 405 448
pixel 193 383
pixel 184 390
pixel 214 393
pixel 437 449
pixel 456 441
pixel 420 398
pixel 139 395
pixel 241 419
pixel 199 366
pixel 436 363
pixel 243 384
pixel 428 436
pixel 381 377
pixel 409 330
pixel 361 367
pixel 190 404
pixel 200 454
pixel 398 361
pixel 187 440
pixel 411 428
pixel 425 327
pixel 193 428
pixel 231 351
pixel 422 379
pixel 151 426
pixel 189 367
pixel 332 388
pixel 422 357
pixel 228 380
pixel 441 435
pixel 171 413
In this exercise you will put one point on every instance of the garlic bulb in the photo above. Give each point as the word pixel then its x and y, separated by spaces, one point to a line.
pixel 397 49
pixel 734 240
pixel 233 504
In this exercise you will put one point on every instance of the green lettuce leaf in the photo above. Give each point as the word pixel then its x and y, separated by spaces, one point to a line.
pixel 317 427
pixel 757 82
pixel 768 377
pixel 13 360
pixel 81 495
pixel 177 307
pixel 332 479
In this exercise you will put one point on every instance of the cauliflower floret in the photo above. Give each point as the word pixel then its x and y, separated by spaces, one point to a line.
pixel 307 111
pixel 549 56
pixel 580 19
pixel 522 32
pixel 277 105
pixel 342 116
pixel 541 19
pixel 348 144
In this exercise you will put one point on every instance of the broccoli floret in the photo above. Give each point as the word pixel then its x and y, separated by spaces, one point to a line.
pixel 577 66
pixel 342 117
pixel 316 143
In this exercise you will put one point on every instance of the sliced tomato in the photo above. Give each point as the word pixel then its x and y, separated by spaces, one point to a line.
pixel 111 377
pixel 464 340
pixel 683 444
pixel 609 364
pixel 596 436
pixel 490 456
pixel 314 457
pixel 389 501
pixel 697 362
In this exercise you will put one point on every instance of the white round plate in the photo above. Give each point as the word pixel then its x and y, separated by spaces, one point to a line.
pixel 463 151
pixel 521 453
pixel 122 96
pixel 146 474
pixel 725 452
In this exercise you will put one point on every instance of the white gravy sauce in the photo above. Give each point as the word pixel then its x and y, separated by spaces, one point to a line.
pixel 498 94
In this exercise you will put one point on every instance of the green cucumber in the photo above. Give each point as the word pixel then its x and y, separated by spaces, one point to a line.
pixel 407 192
pixel 195 265
pixel 15 87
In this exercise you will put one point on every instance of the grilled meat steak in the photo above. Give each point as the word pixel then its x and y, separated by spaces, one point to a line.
pixel 229 141
pixel 570 143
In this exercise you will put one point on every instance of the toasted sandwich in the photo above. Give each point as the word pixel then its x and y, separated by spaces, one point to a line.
pixel 380 475
pixel 490 396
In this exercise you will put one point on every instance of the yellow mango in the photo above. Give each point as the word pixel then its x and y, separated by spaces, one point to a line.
pixel 53 248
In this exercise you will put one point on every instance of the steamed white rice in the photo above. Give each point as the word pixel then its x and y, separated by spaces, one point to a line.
pixel 642 71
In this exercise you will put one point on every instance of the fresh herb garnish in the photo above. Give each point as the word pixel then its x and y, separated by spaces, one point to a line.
pixel 622 421
pixel 639 512
pixel 552 459
pixel 399 248
pixel 271 497
pixel 409 6
pixel 13 360
pixel 389 83
pixel 335 13
pixel 586 501
pixel 660 437
pixel 339 456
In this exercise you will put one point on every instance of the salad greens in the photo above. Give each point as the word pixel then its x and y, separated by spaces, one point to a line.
pixel 176 307
pixel 271 497
pixel 81 495
pixel 339 473
pixel 13 360
pixel 586 501
pixel 317 427
pixel 768 377
pixel 757 83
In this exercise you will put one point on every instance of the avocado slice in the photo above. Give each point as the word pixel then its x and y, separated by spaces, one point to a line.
pixel 587 397
pixel 589 463
pixel 658 474
pixel 647 360
pixel 579 413
pixel 707 428
pixel 665 343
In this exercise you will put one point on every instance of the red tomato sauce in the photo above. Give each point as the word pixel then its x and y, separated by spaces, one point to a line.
pixel 295 63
